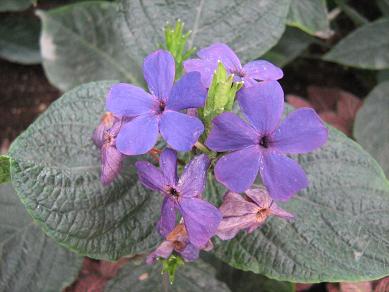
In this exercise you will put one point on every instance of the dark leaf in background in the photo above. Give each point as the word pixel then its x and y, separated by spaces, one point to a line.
pixel 29 260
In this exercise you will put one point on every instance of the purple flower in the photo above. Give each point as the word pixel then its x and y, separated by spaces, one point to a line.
pixel 158 111
pixel 247 213
pixel 260 144
pixel 105 138
pixel 249 73
pixel 177 241
pixel 200 218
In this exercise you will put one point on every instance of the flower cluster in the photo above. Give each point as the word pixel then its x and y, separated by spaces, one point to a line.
pixel 235 148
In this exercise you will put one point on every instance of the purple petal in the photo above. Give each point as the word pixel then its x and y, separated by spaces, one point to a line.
pixel 255 226
pixel 282 176
pixel 128 100
pixel 248 82
pixel 98 135
pixel 260 196
pixel 111 161
pixel 201 220
pixel 159 72
pixel 150 176
pixel 168 165
pixel 235 205
pixel 167 222
pixel 164 250
pixel 262 70
pixel 138 136
pixel 262 104
pixel 190 253
pixel 204 67
pixel 230 226
pixel 230 133
pixel 301 132
pixel 188 92
pixel 223 53
pixel 179 130
pixel 192 181
pixel 238 170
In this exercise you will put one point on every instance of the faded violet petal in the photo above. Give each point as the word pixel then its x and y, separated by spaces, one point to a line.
pixel 128 100
pixel 201 220
pixel 111 161
pixel 301 132
pixel 279 212
pixel 235 205
pixel 238 170
pixel 259 196
pixel 262 70
pixel 150 176
pixel 230 226
pixel 159 73
pixel 262 104
pixel 190 253
pixel 179 130
pixel 193 179
pixel 164 250
pixel 168 165
pixel 205 67
pixel 188 92
pixel 138 136
pixel 98 135
pixel 221 52
pixel 282 176
pixel 167 222
pixel 230 133
pixel 254 226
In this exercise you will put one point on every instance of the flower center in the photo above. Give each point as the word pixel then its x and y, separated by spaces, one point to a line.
pixel 238 72
pixel 108 138
pixel 173 192
pixel 161 106
pixel 262 214
pixel 264 142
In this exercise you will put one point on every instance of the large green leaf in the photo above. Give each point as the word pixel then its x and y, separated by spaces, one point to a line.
pixel 309 16
pixel 81 43
pixel 367 47
pixel 14 5
pixel 29 260
pixel 191 277
pixel 371 128
pixel 55 170
pixel 93 41
pixel 341 230
pixel 19 39
pixel 290 46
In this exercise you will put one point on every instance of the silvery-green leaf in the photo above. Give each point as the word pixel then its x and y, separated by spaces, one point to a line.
pixel 14 5
pixel 4 169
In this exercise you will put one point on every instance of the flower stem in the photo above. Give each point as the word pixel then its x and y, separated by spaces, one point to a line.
pixel 203 148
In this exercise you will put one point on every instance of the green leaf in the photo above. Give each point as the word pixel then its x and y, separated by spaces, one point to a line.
pixel 371 126
pixel 4 169
pixel 190 277
pixel 14 5
pixel 19 39
pixel 383 6
pixel 291 45
pixel 91 41
pixel 240 281
pixel 250 27
pixel 341 229
pixel 55 170
pixel 364 48
pixel 170 266
pixel 81 43
pixel 30 261
pixel 309 16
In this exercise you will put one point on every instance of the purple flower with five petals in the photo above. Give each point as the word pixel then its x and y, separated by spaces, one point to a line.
pixel 250 73
pixel 159 110
pixel 105 138
pixel 201 219
pixel 260 144
pixel 247 212
pixel 177 241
